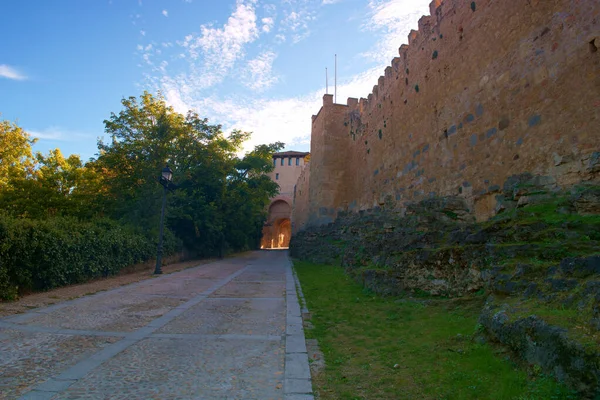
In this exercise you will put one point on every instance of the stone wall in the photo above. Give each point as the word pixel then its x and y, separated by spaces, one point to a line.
pixel 300 207
pixel 484 90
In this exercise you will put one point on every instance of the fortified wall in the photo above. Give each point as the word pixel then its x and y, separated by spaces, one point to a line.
pixel 485 90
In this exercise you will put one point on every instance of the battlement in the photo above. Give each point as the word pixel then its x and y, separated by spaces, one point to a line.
pixel 433 7
pixel 429 29
pixel 483 90
pixel 352 103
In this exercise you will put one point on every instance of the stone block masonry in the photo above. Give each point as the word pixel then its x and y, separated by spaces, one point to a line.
pixel 484 90
pixel 300 208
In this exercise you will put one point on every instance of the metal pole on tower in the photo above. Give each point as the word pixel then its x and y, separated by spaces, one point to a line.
pixel 335 85
pixel 326 82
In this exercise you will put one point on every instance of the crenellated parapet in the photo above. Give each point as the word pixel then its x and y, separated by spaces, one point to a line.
pixel 483 90
pixel 428 29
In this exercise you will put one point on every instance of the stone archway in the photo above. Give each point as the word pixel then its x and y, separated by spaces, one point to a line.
pixel 278 228
pixel 284 232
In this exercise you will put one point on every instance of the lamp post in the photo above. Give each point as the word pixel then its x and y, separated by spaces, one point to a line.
pixel 165 180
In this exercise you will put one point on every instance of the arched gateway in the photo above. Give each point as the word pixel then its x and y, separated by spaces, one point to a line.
pixel 278 227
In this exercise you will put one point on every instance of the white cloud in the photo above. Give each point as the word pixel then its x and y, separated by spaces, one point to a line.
pixel 286 119
pixel 163 66
pixel 259 73
pixel 220 48
pixel 267 24
pixel 147 52
pixel 57 133
pixel 394 19
pixel 143 33
pixel 294 21
pixel 134 18
pixel 330 1
pixel 8 72
pixel 165 13
pixel 297 22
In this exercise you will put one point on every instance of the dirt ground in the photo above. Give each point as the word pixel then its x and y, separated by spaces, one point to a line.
pixel 128 275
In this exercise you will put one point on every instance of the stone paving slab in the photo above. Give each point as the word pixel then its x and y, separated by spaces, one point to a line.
pixel 251 289
pixel 297 386
pixel 297 383
pixel 263 275
pixel 217 270
pixel 295 344
pixel 296 366
pixel 125 313
pixel 160 368
pixel 232 316
pixel 28 359
pixel 182 287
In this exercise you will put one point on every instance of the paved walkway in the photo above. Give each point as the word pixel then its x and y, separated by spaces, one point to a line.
pixel 227 330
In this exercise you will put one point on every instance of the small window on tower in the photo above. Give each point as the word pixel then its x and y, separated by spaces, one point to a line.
pixel 297 161
pixel 274 162
pixel 282 162
pixel 290 161
pixel 276 177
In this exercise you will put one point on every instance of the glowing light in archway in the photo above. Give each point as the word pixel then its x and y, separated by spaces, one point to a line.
pixel 278 229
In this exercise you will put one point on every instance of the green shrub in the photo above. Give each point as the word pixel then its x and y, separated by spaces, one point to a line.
pixel 38 255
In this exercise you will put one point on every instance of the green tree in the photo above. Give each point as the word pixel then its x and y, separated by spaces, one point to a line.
pixel 55 186
pixel 16 158
pixel 67 187
pixel 217 190
pixel 145 136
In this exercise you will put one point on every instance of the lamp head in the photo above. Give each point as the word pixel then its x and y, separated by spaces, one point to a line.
pixel 167 174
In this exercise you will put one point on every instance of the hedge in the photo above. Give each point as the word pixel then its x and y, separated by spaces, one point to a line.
pixel 37 255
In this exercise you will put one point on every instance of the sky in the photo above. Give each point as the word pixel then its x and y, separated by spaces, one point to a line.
pixel 254 65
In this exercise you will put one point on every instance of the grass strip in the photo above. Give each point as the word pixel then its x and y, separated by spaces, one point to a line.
pixel 402 348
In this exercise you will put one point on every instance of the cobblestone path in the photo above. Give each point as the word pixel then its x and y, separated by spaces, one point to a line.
pixel 231 329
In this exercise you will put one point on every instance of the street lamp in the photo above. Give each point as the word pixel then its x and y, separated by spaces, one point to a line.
pixel 165 180
pixel 167 174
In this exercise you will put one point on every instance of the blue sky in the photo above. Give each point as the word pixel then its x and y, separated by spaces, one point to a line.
pixel 255 65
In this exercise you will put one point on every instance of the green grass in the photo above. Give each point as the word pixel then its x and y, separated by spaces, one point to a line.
pixel 575 320
pixel 363 336
pixel 546 211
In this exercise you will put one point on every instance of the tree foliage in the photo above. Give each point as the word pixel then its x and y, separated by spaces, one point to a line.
pixel 218 192
pixel 16 158
pixel 220 199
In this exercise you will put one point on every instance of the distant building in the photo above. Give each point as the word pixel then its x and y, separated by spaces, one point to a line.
pixel 278 228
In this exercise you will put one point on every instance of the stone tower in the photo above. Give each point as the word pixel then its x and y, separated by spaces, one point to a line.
pixel 277 229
